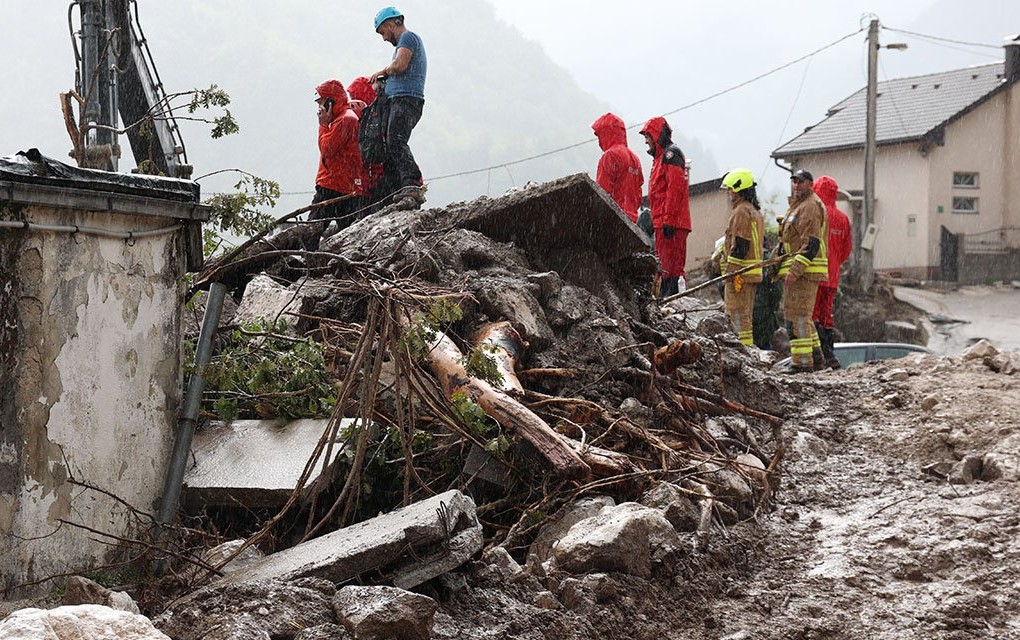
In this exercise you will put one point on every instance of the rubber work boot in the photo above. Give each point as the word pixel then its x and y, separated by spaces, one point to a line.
pixel 818 358
pixel 828 340
pixel 670 286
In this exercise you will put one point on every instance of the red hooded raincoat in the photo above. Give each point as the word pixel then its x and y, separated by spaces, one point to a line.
pixel 619 172
pixel 340 167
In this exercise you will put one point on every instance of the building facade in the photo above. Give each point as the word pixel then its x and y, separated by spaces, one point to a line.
pixel 91 281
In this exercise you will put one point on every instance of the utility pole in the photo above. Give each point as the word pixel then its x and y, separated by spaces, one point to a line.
pixel 866 257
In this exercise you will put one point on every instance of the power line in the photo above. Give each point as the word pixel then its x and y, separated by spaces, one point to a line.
pixel 930 37
pixel 507 165
pixel 669 113
pixel 764 75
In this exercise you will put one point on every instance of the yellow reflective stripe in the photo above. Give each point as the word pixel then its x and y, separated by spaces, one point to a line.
pixel 800 346
pixel 802 259
pixel 755 241
pixel 740 261
pixel 747 337
pixel 816 342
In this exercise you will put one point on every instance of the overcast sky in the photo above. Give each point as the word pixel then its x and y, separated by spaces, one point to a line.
pixel 648 57
pixel 643 57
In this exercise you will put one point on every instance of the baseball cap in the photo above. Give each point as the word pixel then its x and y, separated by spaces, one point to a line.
pixel 802 174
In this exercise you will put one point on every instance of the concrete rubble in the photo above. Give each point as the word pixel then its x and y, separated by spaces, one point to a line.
pixel 251 463
pixel 77 622
pixel 404 547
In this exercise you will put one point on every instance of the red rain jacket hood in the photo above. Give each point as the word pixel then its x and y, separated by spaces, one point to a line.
pixel 668 192
pixel 361 89
pixel 827 190
pixel 362 94
pixel 340 166
pixel 661 133
pixel 840 240
pixel 610 131
pixel 619 171
pixel 334 89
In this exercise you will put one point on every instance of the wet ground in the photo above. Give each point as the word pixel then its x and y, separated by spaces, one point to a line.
pixel 965 315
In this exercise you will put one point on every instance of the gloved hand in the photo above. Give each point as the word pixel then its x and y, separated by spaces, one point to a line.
pixel 668 231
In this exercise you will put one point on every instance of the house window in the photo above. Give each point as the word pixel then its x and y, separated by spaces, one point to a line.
pixel 965 205
pixel 965 180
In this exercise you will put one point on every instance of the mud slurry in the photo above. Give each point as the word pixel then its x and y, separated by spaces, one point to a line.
pixel 866 541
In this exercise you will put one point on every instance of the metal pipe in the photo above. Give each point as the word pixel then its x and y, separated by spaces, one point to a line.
pixel 189 418
pixel 96 231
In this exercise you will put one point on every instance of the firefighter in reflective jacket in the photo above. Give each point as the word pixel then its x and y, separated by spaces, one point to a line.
pixel 804 235
pixel 742 248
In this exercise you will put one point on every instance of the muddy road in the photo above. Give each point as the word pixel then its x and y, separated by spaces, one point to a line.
pixel 872 537
pixel 897 518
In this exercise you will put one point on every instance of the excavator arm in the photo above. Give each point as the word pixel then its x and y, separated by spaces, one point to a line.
pixel 116 77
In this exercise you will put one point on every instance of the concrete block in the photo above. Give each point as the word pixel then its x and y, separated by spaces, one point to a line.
pixel 255 463
pixel 407 546
pixel 265 298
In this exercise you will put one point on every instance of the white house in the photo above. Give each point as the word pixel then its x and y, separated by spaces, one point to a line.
pixel 947 167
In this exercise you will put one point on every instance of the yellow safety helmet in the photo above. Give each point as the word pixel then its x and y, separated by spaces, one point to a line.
pixel 737 180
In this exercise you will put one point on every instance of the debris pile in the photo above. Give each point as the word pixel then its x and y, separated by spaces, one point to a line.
pixel 505 349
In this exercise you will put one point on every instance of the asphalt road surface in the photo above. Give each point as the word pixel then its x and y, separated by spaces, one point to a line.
pixel 962 317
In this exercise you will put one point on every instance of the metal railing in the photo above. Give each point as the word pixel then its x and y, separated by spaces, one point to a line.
pixel 994 241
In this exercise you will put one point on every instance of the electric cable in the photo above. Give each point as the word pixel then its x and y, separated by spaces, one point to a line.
pixel 668 113
pixel 930 37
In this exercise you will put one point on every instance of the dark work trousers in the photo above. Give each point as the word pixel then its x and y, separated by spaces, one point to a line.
pixel 343 212
pixel 405 112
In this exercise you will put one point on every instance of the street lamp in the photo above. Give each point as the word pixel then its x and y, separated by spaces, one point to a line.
pixel 865 257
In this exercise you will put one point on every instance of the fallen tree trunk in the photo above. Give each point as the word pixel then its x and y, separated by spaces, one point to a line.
pixel 505 345
pixel 446 361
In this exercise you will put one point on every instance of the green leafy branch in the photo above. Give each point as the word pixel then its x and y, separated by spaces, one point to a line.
pixel 260 373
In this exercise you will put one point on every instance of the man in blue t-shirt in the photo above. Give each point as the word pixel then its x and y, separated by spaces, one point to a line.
pixel 405 92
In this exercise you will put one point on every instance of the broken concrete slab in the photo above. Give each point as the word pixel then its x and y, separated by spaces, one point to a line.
pixel 555 216
pixel 264 298
pixel 407 546
pixel 255 463
pixel 482 466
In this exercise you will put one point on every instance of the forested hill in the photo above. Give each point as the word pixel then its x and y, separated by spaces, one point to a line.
pixel 492 96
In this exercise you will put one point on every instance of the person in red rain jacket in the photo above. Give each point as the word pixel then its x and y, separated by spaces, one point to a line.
pixel 340 167
pixel 669 198
pixel 840 245
pixel 619 172
pixel 362 94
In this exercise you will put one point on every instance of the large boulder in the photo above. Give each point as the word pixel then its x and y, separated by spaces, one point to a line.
pixel 561 523
pixel 79 590
pixel 78 622
pixel 384 613
pixel 628 538
pixel 250 610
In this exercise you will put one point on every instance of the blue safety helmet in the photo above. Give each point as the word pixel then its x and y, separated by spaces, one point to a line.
pixel 386 13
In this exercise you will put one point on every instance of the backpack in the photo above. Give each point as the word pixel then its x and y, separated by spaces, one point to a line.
pixel 372 131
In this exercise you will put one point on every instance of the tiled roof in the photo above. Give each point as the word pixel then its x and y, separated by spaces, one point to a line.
pixel 907 109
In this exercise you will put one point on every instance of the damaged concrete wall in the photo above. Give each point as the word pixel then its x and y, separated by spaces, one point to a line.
pixel 89 384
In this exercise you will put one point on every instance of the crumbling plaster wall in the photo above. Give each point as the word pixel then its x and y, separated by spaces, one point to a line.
pixel 91 385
